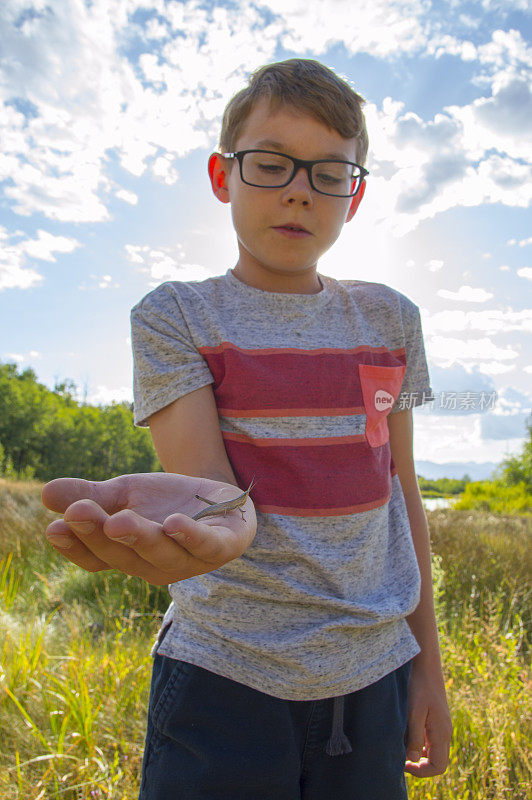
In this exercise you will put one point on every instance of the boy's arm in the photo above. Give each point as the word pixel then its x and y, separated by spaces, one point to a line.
pixel 429 721
pixel 188 440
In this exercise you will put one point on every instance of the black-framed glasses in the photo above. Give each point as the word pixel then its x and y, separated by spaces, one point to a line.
pixel 269 169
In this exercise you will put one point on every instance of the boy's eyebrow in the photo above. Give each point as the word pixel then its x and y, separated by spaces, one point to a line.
pixel 269 144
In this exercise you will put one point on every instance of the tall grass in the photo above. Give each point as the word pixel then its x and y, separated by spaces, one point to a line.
pixel 75 664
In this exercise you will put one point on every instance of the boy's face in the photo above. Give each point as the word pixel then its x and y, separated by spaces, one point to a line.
pixel 271 256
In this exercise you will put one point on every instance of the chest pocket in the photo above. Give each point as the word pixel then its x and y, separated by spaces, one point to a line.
pixel 380 390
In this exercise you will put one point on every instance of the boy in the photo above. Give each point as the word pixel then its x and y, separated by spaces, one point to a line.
pixel 299 627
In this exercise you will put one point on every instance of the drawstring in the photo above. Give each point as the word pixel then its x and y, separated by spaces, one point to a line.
pixel 338 744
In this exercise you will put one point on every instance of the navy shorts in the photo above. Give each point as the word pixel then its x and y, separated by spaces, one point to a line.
pixel 211 738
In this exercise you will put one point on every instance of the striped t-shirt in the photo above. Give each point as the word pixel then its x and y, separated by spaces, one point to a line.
pixel 316 605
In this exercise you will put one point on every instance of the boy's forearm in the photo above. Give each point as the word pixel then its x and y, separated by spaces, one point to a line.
pixel 423 620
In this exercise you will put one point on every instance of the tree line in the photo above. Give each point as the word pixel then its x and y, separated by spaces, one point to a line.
pixel 46 434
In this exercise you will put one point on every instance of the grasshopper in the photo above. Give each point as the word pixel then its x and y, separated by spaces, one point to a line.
pixel 216 509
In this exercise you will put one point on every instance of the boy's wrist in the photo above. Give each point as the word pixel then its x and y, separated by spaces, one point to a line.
pixel 220 477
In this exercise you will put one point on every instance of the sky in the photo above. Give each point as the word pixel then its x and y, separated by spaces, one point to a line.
pixel 109 111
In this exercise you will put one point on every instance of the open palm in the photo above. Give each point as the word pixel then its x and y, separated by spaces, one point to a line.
pixel 141 525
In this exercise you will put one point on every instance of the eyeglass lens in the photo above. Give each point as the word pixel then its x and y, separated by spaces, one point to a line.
pixel 272 170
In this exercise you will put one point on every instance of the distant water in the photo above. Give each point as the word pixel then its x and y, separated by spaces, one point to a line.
pixel 432 503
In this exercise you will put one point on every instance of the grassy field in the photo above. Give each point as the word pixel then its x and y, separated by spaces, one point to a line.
pixel 75 664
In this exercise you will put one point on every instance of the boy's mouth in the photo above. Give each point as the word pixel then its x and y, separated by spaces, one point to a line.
pixel 292 230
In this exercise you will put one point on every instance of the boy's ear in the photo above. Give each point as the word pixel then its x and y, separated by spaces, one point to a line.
pixel 218 176
pixel 355 202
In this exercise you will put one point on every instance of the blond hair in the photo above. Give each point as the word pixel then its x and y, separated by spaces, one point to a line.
pixel 309 87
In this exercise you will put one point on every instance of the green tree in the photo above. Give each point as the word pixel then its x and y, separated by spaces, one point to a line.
pixel 49 434
pixel 518 469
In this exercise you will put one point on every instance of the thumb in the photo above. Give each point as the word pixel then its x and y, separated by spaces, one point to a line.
pixel 211 543
pixel 415 739
pixel 60 493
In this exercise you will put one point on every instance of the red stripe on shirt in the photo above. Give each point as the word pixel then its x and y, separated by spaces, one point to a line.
pixel 249 381
pixel 309 479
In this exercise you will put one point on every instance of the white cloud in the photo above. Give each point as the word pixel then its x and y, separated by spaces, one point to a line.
pixel 99 282
pixel 127 197
pixel 104 395
pixel 503 426
pixel 457 438
pixel 506 6
pixel 82 97
pixel 163 167
pixel 105 282
pixel 466 294
pixel 460 378
pixel 505 48
pixel 133 253
pixel 525 272
pixel 381 28
pixel 489 321
pixel 465 156
pixel 521 242
pixel 496 368
pixel 447 45
pixel 46 244
pixel 447 350
pixel 512 401
pixel 497 122
pixel 71 96
pixel 14 274
pixel 165 264
pixel 20 358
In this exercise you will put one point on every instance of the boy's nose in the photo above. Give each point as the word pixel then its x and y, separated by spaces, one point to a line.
pixel 299 188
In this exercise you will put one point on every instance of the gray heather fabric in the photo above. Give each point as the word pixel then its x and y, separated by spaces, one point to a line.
pixel 316 606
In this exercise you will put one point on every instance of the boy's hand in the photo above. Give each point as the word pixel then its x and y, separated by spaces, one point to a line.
pixel 141 525
pixel 429 730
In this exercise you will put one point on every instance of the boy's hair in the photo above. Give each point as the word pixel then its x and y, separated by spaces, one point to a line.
pixel 309 87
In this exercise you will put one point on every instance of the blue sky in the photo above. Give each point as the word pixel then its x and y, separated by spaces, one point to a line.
pixel 109 111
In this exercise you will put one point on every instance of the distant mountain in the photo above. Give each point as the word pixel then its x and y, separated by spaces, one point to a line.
pixel 456 469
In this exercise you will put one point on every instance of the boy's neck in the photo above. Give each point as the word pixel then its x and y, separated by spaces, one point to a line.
pixel 302 283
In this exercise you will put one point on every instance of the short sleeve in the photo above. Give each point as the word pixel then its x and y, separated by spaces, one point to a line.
pixel 166 363
pixel 415 389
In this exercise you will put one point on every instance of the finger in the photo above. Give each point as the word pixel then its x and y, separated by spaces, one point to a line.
pixel 170 560
pixel 424 768
pixel 433 761
pixel 211 543
pixel 133 544
pixel 415 737
pixel 86 520
pixel 59 494
pixel 60 536
pixel 437 750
